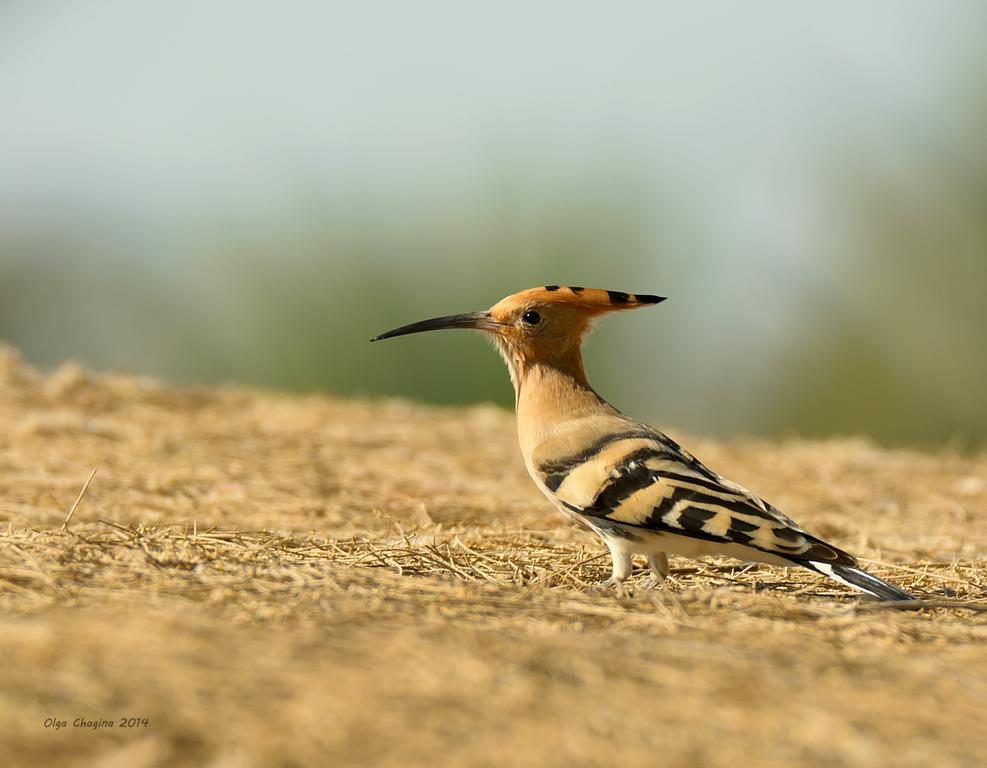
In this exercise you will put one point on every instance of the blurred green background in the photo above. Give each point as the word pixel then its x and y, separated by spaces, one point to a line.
pixel 226 191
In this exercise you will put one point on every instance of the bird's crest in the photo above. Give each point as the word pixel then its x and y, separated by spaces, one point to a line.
pixel 592 299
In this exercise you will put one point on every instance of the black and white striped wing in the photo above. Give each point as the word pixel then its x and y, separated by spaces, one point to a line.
pixel 645 481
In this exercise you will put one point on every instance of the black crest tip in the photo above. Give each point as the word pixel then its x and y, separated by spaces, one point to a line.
pixel 647 298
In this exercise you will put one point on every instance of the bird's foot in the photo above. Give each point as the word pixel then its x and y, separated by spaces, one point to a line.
pixel 619 588
pixel 658 564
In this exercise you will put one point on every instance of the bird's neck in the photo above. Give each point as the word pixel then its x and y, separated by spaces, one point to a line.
pixel 549 393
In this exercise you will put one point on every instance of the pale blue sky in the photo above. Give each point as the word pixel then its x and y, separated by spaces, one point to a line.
pixel 175 111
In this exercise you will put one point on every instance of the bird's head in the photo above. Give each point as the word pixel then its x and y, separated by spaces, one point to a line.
pixel 540 325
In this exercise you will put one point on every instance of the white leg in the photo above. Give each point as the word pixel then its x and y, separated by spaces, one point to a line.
pixel 622 565
pixel 658 563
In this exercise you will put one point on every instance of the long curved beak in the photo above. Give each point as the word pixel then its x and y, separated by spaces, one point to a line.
pixel 476 321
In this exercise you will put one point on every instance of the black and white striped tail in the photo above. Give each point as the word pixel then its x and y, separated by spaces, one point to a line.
pixel 859 579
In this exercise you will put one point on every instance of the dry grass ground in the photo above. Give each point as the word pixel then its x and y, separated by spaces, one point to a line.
pixel 299 581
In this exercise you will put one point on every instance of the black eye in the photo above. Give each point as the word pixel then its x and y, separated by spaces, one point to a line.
pixel 531 317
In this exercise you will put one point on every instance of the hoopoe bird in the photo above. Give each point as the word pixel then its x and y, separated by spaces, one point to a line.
pixel 635 487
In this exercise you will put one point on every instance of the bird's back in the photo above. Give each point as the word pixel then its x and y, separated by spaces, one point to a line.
pixel 631 480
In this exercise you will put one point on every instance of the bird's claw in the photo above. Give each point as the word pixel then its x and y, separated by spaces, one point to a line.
pixel 619 588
